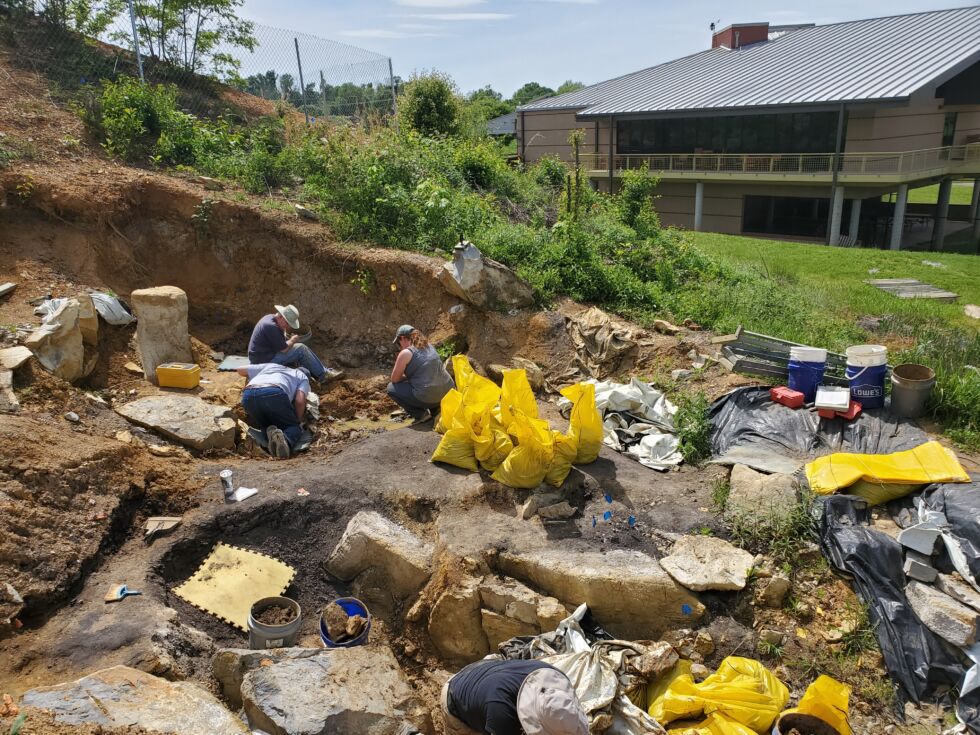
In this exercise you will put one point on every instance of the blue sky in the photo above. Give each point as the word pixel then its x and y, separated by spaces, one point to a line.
pixel 505 43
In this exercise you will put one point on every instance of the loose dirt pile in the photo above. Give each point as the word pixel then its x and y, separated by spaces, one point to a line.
pixel 276 615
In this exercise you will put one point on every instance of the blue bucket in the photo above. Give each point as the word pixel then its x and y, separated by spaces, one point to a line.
pixel 866 371
pixel 351 606
pixel 806 367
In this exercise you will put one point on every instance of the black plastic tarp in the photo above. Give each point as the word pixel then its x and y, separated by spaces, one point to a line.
pixel 750 428
pixel 920 662
pixel 960 503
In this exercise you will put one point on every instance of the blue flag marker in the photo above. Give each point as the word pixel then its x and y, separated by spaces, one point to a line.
pixel 608 498
pixel 632 521
pixel 686 609
pixel 607 515
pixel 594 522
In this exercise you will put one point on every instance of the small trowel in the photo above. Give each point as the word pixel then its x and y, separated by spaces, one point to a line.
pixel 118 592
pixel 159 525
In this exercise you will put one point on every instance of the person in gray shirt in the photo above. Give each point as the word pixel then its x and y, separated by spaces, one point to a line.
pixel 418 380
pixel 275 401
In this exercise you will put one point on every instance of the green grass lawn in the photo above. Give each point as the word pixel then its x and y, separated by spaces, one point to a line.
pixel 832 279
pixel 962 193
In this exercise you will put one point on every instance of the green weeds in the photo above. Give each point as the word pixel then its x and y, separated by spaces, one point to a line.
pixel 779 535
pixel 693 427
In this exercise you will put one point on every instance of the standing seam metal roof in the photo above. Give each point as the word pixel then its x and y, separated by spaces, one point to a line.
pixel 877 59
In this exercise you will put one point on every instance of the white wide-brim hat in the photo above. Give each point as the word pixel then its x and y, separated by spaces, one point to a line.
pixel 547 705
pixel 290 314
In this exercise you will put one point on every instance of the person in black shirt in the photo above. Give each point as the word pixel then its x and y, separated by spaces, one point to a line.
pixel 512 698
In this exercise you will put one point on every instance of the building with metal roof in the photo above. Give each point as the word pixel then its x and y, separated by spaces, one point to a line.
pixel 505 124
pixel 786 130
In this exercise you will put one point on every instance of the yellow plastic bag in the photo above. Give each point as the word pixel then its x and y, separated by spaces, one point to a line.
pixel 585 423
pixel 716 724
pixel 826 700
pixel 491 442
pixel 516 395
pixel 742 690
pixel 928 463
pixel 448 407
pixel 462 372
pixel 561 462
pixel 480 394
pixel 457 449
pixel 527 464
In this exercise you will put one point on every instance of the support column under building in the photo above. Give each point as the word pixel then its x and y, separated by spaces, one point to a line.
pixel 898 217
pixel 975 212
pixel 836 214
pixel 699 206
pixel 855 225
pixel 942 212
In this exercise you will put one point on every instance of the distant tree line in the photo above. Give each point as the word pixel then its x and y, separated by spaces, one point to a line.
pixel 487 103
pixel 321 98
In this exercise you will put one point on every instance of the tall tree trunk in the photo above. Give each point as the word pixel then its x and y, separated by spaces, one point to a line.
pixel 197 32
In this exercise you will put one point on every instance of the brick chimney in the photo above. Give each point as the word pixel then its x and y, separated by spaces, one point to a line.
pixel 740 34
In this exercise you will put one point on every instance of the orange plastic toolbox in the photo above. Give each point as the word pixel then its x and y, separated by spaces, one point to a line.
pixel 178 375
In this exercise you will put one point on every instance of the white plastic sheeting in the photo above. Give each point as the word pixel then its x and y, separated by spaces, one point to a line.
pixel 638 420
pixel 108 307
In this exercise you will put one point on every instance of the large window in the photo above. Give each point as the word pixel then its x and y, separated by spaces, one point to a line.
pixel 796 216
pixel 798 132
pixel 949 128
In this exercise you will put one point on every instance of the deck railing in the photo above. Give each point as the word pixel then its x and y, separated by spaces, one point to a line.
pixel 949 159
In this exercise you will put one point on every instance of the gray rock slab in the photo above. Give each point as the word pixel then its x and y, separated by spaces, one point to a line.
pixel 917 567
pixel 372 541
pixel 627 590
pixel 954 586
pixel 186 419
pixel 8 399
pixel 944 616
pixel 161 327
pixel 921 537
pixel 708 563
pixel 121 696
pixel 230 665
pixel 12 358
pixel 342 691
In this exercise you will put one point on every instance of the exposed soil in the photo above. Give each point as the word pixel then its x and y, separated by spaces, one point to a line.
pixel 276 615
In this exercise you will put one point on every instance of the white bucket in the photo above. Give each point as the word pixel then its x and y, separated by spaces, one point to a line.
pixel 808 354
pixel 867 355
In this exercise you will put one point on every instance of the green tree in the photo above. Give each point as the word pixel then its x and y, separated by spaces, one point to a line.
pixel 87 17
pixel 531 91
pixel 190 34
pixel 430 105
pixel 569 86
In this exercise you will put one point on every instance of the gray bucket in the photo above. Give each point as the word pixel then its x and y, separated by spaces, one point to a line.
pixel 262 636
pixel 911 386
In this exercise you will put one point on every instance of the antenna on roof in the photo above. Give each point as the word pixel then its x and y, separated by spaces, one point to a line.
pixel 715 24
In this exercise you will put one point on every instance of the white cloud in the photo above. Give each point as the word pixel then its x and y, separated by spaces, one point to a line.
pixel 420 27
pixel 569 2
pixel 462 16
pixel 439 3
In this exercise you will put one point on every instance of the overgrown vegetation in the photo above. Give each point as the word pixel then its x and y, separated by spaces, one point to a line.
pixel 779 535
pixel 421 186
pixel 693 427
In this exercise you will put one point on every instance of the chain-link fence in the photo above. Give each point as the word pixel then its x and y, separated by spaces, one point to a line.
pixel 212 56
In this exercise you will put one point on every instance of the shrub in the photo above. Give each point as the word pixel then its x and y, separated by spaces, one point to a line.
pixel 550 172
pixel 430 105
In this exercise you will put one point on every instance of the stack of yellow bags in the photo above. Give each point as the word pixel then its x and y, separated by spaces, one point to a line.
pixel 498 429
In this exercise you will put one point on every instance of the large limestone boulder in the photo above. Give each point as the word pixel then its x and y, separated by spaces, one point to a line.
pixel 57 344
pixel 944 616
pixel 230 665
pixel 455 623
pixel 483 282
pixel 499 628
pixel 186 419
pixel 399 561
pixel 708 563
pixel 760 496
pixel 161 327
pixel 343 691
pixel 628 591
pixel 121 697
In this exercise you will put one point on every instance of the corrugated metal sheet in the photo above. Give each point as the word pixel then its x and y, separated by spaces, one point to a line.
pixel 877 59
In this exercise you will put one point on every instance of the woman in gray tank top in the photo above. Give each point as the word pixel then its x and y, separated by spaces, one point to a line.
pixel 418 380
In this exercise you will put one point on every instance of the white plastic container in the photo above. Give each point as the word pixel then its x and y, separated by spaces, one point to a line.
pixel 808 354
pixel 867 355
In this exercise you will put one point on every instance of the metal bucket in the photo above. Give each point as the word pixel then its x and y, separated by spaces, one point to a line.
pixel 261 636
pixel 911 386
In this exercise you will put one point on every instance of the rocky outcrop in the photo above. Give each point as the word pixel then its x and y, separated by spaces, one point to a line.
pixel 57 344
pixel 121 696
pixel 88 320
pixel 186 419
pixel 627 590
pixel 342 691
pixel 760 496
pixel 399 562
pixel 230 665
pixel 483 282
pixel 455 624
pixel 161 327
pixel 708 563
pixel 943 615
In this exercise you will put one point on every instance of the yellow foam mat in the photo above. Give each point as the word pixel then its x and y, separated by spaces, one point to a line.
pixel 927 463
pixel 230 580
